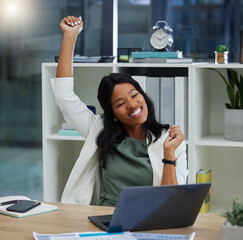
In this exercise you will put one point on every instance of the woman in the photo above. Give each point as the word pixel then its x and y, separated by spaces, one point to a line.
pixel 124 146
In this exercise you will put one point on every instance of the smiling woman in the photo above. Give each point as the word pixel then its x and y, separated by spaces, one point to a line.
pixel 125 145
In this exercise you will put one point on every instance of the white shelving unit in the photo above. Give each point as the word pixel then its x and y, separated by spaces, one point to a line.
pixel 206 147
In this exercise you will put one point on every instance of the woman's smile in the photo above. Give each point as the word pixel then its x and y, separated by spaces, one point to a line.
pixel 136 112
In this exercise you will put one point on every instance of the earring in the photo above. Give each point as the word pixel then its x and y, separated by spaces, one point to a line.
pixel 115 119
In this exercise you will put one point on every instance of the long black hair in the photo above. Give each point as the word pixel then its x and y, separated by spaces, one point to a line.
pixel 114 131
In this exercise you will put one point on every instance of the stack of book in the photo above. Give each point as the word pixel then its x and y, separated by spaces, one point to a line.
pixel 68 130
pixel 159 57
pixel 170 98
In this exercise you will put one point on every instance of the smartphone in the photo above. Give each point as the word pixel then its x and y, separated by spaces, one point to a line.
pixel 23 206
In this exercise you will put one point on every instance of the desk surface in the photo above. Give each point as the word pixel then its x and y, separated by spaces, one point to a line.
pixel 73 218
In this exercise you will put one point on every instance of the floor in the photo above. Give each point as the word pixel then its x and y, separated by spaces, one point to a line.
pixel 21 172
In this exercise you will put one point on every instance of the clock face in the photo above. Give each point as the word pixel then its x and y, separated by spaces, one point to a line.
pixel 160 39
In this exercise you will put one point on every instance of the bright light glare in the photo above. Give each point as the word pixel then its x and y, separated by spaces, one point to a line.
pixel 11 8
pixel 14 14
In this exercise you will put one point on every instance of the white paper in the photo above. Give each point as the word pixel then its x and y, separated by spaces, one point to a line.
pixel 85 236
pixel 154 236
pixel 112 236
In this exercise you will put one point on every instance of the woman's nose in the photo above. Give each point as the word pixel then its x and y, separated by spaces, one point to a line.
pixel 131 104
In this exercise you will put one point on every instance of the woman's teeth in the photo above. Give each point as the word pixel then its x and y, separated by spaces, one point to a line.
pixel 136 112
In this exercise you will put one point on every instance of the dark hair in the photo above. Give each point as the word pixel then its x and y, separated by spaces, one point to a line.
pixel 114 131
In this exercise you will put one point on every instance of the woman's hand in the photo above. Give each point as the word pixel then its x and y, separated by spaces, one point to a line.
pixel 71 25
pixel 173 140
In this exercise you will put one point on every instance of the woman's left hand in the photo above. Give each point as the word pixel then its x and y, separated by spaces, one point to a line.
pixel 173 140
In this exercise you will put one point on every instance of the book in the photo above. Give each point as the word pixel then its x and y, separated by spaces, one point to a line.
pixel 67 126
pixel 167 100
pixel 153 92
pixel 177 54
pixel 90 59
pixel 204 176
pixel 69 132
pixel 181 104
pixel 161 60
pixel 42 208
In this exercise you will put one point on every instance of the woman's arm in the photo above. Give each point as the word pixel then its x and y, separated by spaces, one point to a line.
pixel 71 27
pixel 171 143
pixel 73 109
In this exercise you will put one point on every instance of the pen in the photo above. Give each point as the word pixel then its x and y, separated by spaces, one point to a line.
pixel 8 202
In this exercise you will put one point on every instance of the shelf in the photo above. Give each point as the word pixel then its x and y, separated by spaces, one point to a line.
pixel 217 140
pixel 205 148
pixel 54 64
pixel 56 136
pixel 223 66
pixel 155 65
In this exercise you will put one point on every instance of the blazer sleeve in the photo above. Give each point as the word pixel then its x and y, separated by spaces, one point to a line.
pixel 181 168
pixel 74 111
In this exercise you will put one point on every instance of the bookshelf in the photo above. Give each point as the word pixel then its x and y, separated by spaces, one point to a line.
pixel 206 147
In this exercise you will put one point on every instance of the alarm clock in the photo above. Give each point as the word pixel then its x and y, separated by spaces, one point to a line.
pixel 161 37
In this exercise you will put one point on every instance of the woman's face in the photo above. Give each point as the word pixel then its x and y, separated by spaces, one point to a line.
pixel 128 105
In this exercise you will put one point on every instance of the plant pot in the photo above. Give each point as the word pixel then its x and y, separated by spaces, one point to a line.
pixel 221 57
pixel 233 124
pixel 230 232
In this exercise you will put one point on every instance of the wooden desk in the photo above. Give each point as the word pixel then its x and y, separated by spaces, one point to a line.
pixel 73 218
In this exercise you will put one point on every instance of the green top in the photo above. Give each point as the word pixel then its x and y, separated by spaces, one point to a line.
pixel 129 166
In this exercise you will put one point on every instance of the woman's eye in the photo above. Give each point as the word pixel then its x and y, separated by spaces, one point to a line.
pixel 134 95
pixel 120 104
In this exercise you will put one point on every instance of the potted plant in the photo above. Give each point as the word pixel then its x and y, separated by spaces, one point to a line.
pixel 221 54
pixel 232 228
pixel 233 114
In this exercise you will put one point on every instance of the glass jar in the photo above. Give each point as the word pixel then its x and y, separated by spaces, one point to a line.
pixel 221 57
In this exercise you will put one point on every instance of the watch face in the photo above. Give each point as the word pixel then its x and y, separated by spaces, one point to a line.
pixel 160 39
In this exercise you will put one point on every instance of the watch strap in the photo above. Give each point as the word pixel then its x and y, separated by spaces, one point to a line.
pixel 172 162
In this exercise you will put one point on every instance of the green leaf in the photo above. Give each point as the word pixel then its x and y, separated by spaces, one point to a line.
pixel 230 78
pixel 231 96
pixel 234 75
pixel 221 48
pixel 237 100
pixel 235 216
pixel 241 92
pixel 228 106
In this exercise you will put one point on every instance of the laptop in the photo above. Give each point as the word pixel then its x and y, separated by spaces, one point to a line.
pixel 154 207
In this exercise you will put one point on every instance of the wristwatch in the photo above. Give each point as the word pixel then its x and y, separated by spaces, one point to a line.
pixel 172 162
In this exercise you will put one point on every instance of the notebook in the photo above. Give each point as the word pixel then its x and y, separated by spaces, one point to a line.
pixel 42 208
pixel 154 207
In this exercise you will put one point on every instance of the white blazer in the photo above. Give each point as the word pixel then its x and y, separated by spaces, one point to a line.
pixel 83 185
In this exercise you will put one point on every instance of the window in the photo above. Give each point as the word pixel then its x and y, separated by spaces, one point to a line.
pixel 198 26
pixel 32 36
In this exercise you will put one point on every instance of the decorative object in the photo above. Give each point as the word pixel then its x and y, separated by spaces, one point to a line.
pixel 233 227
pixel 233 124
pixel 161 37
pixel 124 54
pixel 233 114
pixel 221 54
